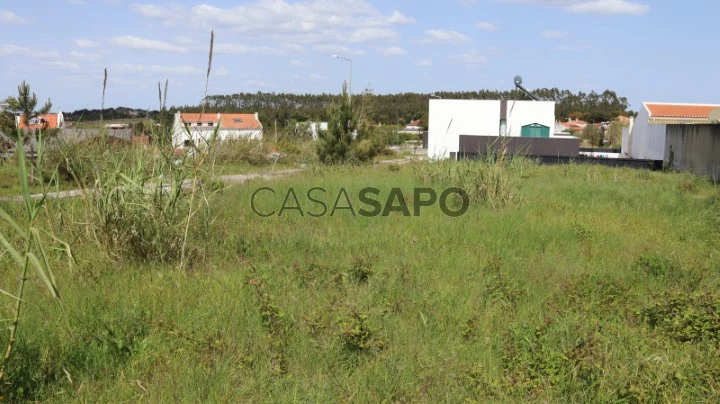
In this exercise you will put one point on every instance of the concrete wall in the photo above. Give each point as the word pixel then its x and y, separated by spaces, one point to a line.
pixel 529 146
pixel 521 113
pixel 448 119
pixel 646 140
pixel 694 148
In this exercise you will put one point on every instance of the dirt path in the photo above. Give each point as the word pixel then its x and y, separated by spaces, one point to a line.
pixel 228 179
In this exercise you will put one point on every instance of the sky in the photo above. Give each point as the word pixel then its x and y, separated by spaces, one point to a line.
pixel 659 50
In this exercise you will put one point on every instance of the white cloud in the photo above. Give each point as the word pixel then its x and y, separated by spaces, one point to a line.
pixel 552 34
pixel 134 42
pixel 574 47
pixel 337 50
pixel 86 43
pixel 305 23
pixel 606 7
pixel 371 35
pixel 423 62
pixel 8 17
pixel 240 49
pixel 295 62
pixel 468 3
pixel 62 65
pixel 439 36
pixel 393 51
pixel 487 26
pixel 399 18
pixel 471 58
pixel 609 7
pixel 19 51
pixel 90 56
pixel 139 69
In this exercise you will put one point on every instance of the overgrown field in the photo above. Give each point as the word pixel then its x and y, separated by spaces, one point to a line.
pixel 560 283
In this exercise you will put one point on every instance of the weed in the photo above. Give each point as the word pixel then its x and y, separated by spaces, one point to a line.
pixel 357 337
pixel 361 269
pixel 685 317
pixel 652 264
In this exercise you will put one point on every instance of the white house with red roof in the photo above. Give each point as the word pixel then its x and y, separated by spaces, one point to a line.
pixel 196 127
pixel 646 136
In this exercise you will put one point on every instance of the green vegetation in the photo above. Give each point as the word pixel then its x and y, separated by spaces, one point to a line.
pixel 586 283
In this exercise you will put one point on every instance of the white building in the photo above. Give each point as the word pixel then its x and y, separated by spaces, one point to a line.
pixel 196 127
pixel 645 138
pixel 449 119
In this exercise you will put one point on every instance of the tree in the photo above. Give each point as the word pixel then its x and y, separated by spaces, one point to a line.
pixel 334 144
pixel 25 103
pixel 593 134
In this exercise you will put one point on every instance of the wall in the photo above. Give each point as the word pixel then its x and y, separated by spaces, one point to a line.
pixel 521 113
pixel 535 147
pixel 647 141
pixel 448 119
pixel 694 148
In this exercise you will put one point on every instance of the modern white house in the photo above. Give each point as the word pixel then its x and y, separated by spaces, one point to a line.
pixel 194 127
pixel 646 136
pixel 450 119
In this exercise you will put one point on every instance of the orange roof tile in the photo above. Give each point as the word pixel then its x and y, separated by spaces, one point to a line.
pixel 227 121
pixel 679 110
pixel 239 121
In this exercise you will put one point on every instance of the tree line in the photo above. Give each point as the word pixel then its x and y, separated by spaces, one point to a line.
pixel 387 109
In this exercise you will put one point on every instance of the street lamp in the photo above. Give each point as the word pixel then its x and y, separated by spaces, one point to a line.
pixel 350 82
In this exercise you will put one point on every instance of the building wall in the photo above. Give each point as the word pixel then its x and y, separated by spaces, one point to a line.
pixel 521 113
pixel 694 148
pixel 646 141
pixel 448 119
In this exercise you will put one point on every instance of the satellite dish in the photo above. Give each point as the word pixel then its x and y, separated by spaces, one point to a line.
pixel 518 80
pixel 714 116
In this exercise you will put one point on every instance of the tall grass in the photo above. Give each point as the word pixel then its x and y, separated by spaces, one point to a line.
pixel 29 251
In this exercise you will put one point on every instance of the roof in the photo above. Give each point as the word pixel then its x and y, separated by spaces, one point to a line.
pixel 666 110
pixel 49 120
pixel 227 121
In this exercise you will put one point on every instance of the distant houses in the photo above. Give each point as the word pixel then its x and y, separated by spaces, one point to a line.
pixel 195 127
pixel 41 121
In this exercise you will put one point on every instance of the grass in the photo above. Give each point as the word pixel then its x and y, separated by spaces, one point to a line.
pixel 9 185
pixel 592 284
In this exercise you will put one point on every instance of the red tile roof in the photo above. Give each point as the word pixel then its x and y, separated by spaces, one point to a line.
pixel 48 121
pixel 659 110
pixel 227 121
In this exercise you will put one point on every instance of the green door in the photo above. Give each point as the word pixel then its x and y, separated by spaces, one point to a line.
pixel 535 130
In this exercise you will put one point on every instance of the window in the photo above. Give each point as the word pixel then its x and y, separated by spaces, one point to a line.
pixel 237 120
pixel 210 124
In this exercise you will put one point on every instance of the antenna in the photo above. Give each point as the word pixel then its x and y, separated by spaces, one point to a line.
pixel 518 84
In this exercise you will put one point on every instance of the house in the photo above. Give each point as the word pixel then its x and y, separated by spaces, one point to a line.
pixel 414 127
pixel 449 120
pixel 41 121
pixel 572 126
pixel 645 138
pixel 314 128
pixel 198 126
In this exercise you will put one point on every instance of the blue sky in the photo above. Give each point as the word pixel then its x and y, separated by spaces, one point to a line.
pixel 645 50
